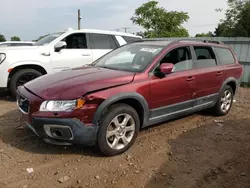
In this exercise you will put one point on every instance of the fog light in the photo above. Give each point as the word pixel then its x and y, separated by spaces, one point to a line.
pixel 59 132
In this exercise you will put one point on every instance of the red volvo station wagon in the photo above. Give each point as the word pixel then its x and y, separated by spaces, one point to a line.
pixel 105 104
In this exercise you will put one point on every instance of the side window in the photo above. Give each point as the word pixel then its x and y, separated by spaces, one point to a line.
pixel 102 41
pixel 76 41
pixel 205 57
pixel 225 56
pixel 180 57
pixel 131 39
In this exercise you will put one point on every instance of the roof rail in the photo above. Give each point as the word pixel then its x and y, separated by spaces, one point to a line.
pixel 182 40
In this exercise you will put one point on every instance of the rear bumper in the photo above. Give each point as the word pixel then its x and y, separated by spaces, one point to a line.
pixel 64 131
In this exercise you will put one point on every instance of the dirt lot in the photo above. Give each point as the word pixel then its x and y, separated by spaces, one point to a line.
pixel 190 152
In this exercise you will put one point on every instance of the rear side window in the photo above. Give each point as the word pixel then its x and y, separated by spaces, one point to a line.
pixel 102 41
pixel 131 39
pixel 205 57
pixel 225 56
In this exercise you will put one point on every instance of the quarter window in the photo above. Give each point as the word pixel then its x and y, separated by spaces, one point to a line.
pixel 180 57
pixel 225 56
pixel 102 41
pixel 205 57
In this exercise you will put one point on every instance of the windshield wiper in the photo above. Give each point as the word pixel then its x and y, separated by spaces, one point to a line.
pixel 105 67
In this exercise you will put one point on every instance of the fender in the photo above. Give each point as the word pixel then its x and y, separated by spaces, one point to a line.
pixel 47 68
pixel 118 97
pixel 230 79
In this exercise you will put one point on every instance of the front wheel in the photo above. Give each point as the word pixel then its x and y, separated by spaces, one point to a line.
pixel 118 130
pixel 21 77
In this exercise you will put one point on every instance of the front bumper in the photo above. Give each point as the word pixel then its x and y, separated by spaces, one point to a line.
pixel 60 131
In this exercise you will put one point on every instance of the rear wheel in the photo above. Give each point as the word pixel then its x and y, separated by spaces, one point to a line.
pixel 225 101
pixel 21 77
pixel 118 130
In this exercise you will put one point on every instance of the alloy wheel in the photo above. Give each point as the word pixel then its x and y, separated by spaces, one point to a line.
pixel 120 131
pixel 226 101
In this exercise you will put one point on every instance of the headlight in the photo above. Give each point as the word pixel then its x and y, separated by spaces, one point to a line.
pixel 61 106
pixel 2 57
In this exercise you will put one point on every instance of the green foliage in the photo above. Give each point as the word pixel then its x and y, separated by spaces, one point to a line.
pixel 2 38
pixel 159 22
pixel 15 38
pixel 209 34
pixel 236 23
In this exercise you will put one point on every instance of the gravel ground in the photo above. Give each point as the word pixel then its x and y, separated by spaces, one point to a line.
pixel 194 151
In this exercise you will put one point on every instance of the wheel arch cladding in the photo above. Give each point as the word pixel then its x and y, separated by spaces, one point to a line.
pixel 28 66
pixel 135 100
pixel 232 82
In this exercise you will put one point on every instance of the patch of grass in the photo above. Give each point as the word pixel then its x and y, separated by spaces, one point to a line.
pixel 245 85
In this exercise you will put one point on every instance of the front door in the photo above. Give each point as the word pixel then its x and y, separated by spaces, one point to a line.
pixel 173 94
pixel 76 54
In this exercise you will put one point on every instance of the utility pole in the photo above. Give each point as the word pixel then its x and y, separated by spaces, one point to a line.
pixel 125 29
pixel 79 19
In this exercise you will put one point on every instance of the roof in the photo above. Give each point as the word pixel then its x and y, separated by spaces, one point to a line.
pixel 164 43
pixel 104 32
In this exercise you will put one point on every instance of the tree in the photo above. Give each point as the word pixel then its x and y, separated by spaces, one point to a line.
pixel 209 34
pixel 2 38
pixel 15 38
pixel 236 23
pixel 159 22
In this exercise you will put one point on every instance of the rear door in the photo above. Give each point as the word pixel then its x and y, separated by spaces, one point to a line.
pixel 209 76
pixel 101 44
pixel 76 54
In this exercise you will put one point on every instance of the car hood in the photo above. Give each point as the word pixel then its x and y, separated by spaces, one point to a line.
pixel 72 84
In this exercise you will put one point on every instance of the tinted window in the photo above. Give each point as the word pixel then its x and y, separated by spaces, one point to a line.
pixel 76 41
pixel 205 57
pixel 225 56
pixel 21 44
pixel 180 57
pixel 101 41
pixel 131 39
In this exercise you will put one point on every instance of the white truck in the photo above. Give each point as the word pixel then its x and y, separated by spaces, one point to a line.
pixel 57 52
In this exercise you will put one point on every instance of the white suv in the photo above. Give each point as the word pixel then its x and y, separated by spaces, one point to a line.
pixel 57 52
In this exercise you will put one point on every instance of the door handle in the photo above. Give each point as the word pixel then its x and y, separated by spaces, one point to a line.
pixel 190 78
pixel 219 73
pixel 85 54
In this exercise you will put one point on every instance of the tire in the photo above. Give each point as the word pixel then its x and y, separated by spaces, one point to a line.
pixel 218 109
pixel 117 129
pixel 18 75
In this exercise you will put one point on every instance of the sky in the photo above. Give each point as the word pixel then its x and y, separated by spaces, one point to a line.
pixel 30 19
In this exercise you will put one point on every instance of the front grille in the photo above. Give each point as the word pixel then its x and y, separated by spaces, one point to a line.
pixel 23 103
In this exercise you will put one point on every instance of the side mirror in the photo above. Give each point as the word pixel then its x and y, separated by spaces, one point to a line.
pixel 60 45
pixel 166 68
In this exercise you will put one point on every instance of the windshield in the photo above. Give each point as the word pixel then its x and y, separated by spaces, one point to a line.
pixel 133 58
pixel 48 39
